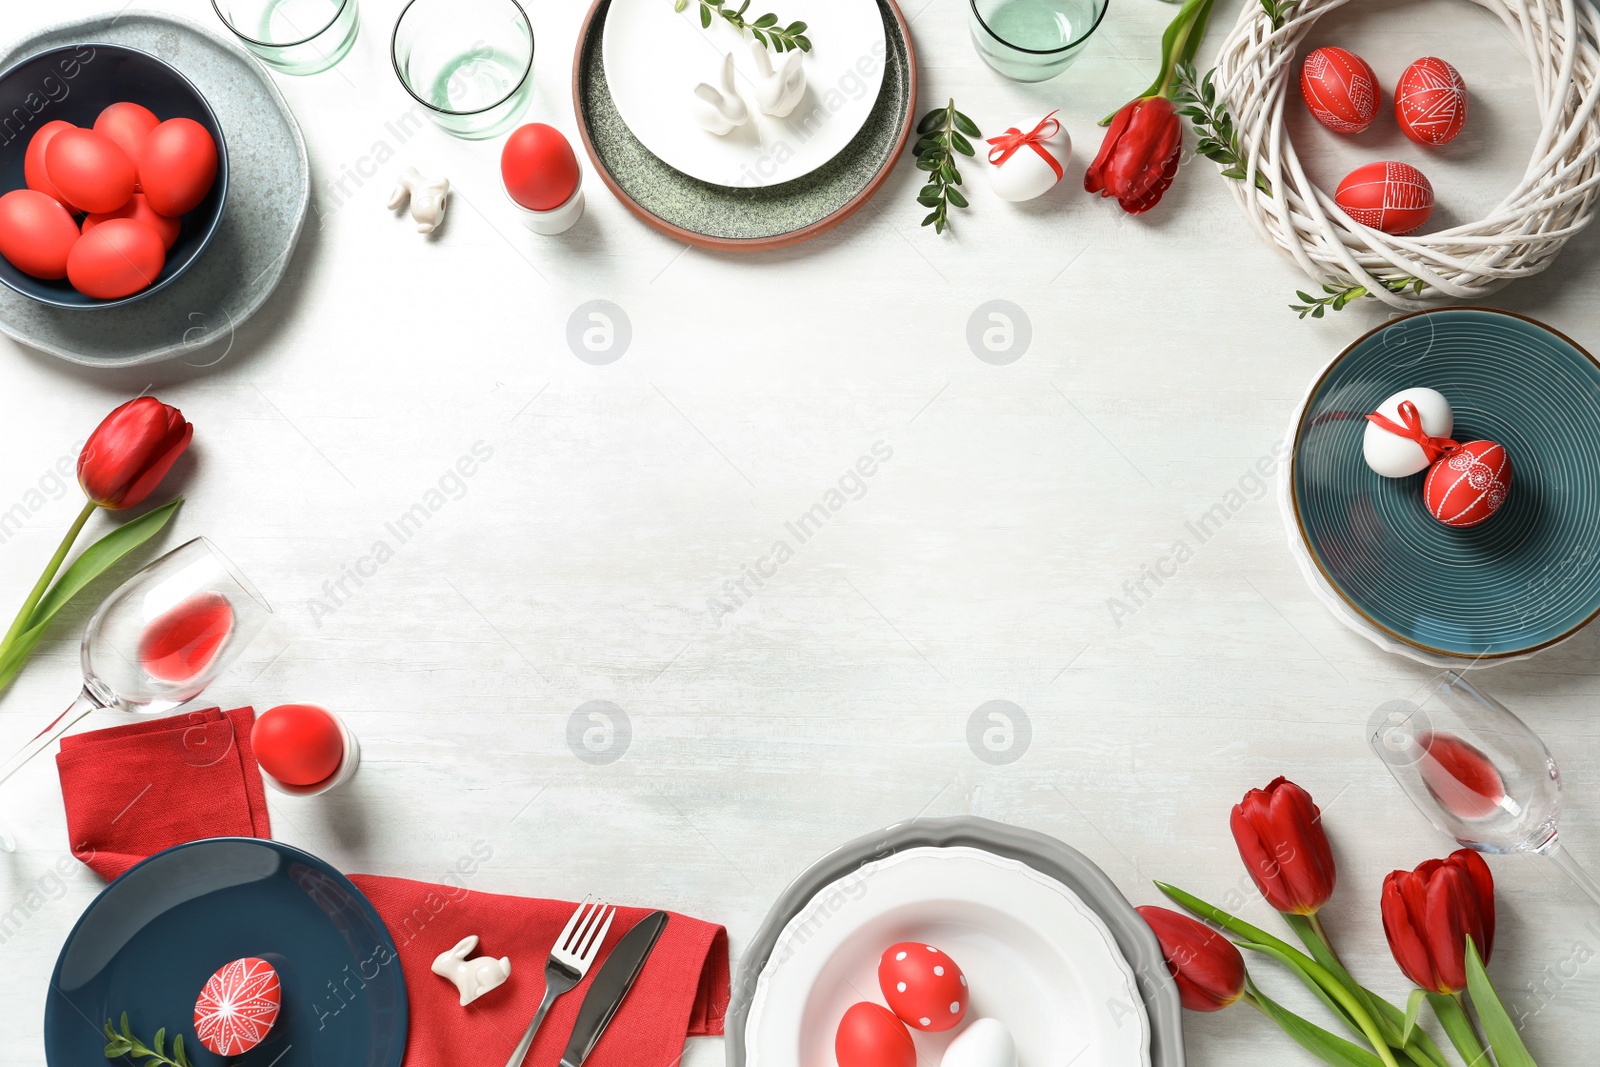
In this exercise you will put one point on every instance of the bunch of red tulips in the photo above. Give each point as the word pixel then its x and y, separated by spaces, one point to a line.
pixel 1439 920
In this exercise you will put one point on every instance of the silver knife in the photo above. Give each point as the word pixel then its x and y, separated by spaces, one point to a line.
pixel 611 985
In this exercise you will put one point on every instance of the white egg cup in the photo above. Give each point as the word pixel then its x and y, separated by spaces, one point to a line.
pixel 558 219
pixel 342 774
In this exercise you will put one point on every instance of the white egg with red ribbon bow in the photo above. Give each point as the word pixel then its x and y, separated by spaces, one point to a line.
pixel 1027 165
pixel 1408 433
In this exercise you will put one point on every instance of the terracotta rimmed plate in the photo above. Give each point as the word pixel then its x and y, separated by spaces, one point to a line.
pixel 1521 581
pixel 733 217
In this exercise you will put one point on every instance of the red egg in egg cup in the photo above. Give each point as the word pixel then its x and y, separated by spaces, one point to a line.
pixel 349 761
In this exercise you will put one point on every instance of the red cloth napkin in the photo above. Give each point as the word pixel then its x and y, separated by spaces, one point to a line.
pixel 132 791
pixel 682 992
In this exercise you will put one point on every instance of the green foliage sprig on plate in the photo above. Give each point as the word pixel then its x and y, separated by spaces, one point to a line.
pixel 942 134
pixel 121 1043
pixel 765 29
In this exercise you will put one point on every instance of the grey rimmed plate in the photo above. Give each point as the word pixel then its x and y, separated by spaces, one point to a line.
pixel 269 192
pixel 735 217
pixel 1039 851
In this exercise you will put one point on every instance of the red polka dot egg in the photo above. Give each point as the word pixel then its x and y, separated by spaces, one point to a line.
pixel 1430 102
pixel 1393 197
pixel 238 1007
pixel 298 744
pixel 1340 89
pixel 870 1035
pixel 1469 485
pixel 923 986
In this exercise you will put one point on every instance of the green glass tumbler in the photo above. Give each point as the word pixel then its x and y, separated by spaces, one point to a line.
pixel 293 36
pixel 1033 40
pixel 468 62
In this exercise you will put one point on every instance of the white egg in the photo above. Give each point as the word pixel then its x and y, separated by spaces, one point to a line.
pixel 1026 174
pixel 1394 456
pixel 985 1043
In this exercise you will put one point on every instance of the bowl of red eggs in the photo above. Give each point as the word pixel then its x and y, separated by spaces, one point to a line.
pixel 113 175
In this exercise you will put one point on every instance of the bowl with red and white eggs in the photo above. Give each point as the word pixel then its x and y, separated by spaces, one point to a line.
pixel 113 176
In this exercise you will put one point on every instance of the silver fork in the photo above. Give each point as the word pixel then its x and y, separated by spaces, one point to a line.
pixel 569 961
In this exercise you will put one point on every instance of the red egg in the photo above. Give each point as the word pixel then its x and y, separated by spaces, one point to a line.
pixel 33 171
pixel 128 125
pixel 36 233
pixel 140 210
pixel 1430 102
pixel 177 166
pixel 238 1007
pixel 870 1036
pixel 1340 89
pixel 298 744
pixel 538 167
pixel 1467 486
pixel 90 170
pixel 1393 197
pixel 923 986
pixel 117 258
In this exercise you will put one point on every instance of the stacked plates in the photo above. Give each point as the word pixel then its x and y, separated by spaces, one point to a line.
pixel 1048 944
pixel 1518 583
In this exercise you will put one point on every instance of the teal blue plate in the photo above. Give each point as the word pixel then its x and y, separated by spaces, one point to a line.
pixel 1526 578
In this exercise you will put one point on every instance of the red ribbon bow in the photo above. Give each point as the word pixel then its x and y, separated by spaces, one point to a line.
pixel 1006 145
pixel 1432 447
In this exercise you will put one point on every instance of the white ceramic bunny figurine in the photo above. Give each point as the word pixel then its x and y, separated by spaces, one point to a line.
pixel 778 91
pixel 475 977
pixel 428 198
pixel 720 110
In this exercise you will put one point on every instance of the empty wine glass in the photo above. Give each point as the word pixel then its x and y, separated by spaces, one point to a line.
pixel 1476 771
pixel 157 641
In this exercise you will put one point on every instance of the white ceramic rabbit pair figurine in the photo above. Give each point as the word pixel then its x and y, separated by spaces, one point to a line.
pixel 719 110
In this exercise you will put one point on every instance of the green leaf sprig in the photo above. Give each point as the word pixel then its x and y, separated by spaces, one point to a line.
pixel 765 29
pixel 121 1043
pixel 1278 11
pixel 944 131
pixel 1219 141
pixel 1338 296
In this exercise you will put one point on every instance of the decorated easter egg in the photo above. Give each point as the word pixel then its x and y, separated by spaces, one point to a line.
pixel 89 169
pixel 1469 485
pixel 1400 455
pixel 177 166
pixel 869 1035
pixel 33 172
pixel 1393 197
pixel 36 233
pixel 138 208
pixel 238 1007
pixel 115 259
pixel 986 1043
pixel 298 744
pixel 1340 89
pixel 923 986
pixel 1430 102
pixel 128 124
pixel 538 167
pixel 1025 163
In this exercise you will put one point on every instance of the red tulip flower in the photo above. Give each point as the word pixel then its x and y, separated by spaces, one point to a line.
pixel 131 451
pixel 1429 913
pixel 1207 967
pixel 1139 156
pixel 1280 837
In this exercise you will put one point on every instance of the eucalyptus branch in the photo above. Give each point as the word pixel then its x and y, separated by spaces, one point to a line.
pixel 944 131
pixel 764 29
pixel 121 1043
pixel 1337 296
pixel 1196 99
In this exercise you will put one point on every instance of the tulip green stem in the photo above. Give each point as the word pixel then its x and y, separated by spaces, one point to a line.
pixel 43 584
pixel 1452 1015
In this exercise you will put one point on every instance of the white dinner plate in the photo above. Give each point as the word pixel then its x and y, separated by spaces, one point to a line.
pixel 1035 956
pixel 654 57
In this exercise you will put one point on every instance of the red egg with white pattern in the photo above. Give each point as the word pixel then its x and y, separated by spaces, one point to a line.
pixel 923 986
pixel 1430 102
pixel 1469 485
pixel 1340 89
pixel 238 1007
pixel 869 1035
pixel 1396 198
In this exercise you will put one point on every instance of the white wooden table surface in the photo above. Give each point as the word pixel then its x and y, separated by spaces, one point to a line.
pixel 617 502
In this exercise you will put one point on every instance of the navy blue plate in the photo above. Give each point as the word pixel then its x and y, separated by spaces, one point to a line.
pixel 148 943
pixel 75 84
pixel 1527 577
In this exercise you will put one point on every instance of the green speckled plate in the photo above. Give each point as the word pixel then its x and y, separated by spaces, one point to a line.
pixel 1527 577
pixel 734 217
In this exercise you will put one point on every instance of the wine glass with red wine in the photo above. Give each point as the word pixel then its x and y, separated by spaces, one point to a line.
pixel 157 641
pixel 1476 771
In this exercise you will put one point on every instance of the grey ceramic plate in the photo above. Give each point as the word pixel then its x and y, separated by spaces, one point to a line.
pixel 269 192
pixel 732 217
pixel 1043 853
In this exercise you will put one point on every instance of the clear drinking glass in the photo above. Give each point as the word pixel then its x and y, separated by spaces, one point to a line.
pixel 1476 771
pixel 293 36
pixel 1032 40
pixel 157 641
pixel 469 62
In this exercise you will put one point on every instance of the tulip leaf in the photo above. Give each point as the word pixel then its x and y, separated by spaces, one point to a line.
pixel 99 558
pixel 1314 1039
pixel 1498 1027
pixel 1413 1009
pixel 1459 1028
pixel 1301 973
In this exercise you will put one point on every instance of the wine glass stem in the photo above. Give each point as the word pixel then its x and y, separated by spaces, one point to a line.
pixel 1565 861
pixel 62 723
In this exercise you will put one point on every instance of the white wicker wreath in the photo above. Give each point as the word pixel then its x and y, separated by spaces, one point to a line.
pixel 1256 74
